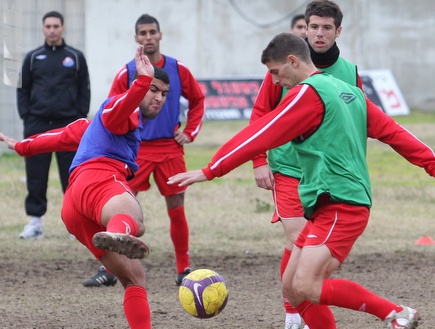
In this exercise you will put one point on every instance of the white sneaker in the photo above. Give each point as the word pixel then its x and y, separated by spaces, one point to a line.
pixel 405 319
pixel 31 231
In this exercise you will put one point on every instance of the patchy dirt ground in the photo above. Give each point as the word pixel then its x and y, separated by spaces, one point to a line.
pixel 49 294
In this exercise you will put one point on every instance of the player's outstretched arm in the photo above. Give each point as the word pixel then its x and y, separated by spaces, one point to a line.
pixel 187 178
pixel 10 142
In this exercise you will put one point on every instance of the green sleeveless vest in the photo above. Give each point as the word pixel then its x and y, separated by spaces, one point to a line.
pixel 333 159
pixel 283 159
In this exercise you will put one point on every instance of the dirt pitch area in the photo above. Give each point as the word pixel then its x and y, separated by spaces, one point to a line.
pixel 49 294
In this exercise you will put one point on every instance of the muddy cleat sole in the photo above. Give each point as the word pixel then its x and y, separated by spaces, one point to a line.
pixel 125 244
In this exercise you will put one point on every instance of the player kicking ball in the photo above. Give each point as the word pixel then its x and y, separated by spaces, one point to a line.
pixel 98 208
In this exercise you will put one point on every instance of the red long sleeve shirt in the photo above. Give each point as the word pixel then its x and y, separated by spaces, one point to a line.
pixel 299 114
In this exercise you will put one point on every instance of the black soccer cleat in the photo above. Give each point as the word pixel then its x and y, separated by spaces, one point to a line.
pixel 179 278
pixel 102 278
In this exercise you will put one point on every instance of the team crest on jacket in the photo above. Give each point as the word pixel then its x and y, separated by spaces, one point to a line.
pixel 68 62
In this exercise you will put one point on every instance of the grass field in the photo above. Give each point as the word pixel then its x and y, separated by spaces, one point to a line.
pixel 401 192
pixel 230 228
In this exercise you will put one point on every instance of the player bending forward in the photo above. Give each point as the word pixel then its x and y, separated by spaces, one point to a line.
pixel 328 122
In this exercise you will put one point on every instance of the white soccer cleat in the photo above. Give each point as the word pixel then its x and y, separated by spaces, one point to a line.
pixel 293 325
pixel 405 319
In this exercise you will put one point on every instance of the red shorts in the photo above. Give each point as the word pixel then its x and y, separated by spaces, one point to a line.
pixel 336 225
pixel 90 187
pixel 162 168
pixel 286 198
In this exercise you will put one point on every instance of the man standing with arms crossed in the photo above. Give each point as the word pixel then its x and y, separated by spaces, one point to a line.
pixel 55 91
pixel 161 152
pixel 283 173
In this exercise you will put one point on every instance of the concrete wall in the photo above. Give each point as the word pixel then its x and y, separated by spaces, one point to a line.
pixel 24 17
pixel 224 38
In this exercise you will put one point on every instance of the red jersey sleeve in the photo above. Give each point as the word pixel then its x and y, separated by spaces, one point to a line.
pixel 120 82
pixel 57 140
pixel 117 111
pixel 298 114
pixel 193 93
pixel 384 128
pixel 267 99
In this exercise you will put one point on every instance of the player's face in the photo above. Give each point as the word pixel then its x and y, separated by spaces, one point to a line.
pixel 52 29
pixel 283 74
pixel 322 33
pixel 154 99
pixel 300 28
pixel 148 36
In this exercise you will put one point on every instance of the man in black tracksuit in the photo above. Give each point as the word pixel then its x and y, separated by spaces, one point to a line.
pixel 55 91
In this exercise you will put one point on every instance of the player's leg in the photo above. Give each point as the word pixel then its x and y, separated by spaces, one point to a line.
pixel 102 194
pixel 309 311
pixel 288 211
pixel 131 274
pixel 179 232
pixel 64 160
pixel 140 182
pixel 123 218
pixel 174 197
pixel 292 227
pixel 328 241
pixel 37 170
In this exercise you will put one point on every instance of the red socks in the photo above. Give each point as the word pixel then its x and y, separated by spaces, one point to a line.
pixel 284 261
pixel 348 294
pixel 179 231
pixel 122 223
pixel 136 308
pixel 311 313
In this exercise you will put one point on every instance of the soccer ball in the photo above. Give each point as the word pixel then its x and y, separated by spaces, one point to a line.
pixel 203 293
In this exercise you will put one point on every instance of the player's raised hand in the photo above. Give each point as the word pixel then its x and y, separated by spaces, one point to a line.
pixel 8 140
pixel 143 64
pixel 187 178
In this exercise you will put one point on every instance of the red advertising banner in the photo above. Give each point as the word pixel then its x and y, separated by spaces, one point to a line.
pixel 233 99
pixel 227 99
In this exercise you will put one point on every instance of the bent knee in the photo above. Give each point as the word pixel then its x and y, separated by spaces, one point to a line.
pixel 307 289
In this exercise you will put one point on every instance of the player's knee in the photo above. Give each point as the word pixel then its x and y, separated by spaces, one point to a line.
pixel 305 288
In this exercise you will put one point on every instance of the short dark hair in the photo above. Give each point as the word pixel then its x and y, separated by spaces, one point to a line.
pixel 146 19
pixel 161 74
pixel 55 14
pixel 324 8
pixel 295 19
pixel 283 45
